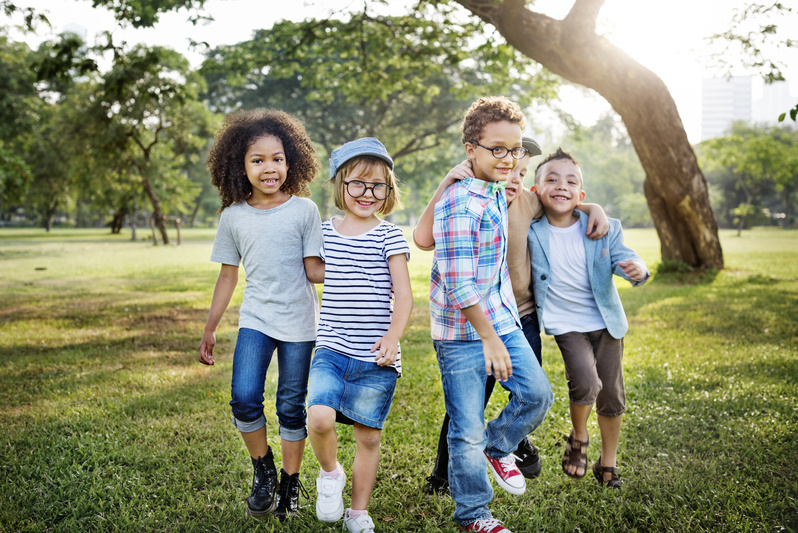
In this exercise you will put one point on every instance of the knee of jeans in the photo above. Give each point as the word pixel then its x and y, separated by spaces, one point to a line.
pixel 291 413
pixel 246 406
pixel 548 399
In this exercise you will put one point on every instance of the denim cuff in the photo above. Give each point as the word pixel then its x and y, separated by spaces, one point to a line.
pixel 249 427
pixel 293 435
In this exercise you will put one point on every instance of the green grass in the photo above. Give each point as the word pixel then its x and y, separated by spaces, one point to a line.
pixel 108 423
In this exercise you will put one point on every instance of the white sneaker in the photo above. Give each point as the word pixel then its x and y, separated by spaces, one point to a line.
pixel 330 502
pixel 361 524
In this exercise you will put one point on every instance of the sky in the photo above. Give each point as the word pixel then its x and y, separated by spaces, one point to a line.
pixel 666 37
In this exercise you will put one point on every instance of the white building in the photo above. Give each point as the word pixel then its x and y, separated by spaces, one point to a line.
pixel 775 100
pixel 725 100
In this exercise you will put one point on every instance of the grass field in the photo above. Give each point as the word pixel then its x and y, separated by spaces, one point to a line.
pixel 108 423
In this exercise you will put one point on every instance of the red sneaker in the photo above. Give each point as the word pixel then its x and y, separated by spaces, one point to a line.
pixel 486 525
pixel 507 474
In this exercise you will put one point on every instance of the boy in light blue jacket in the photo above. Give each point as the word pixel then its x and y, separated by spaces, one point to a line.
pixel 578 303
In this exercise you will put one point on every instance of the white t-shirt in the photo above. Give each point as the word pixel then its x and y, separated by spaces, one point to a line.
pixel 570 305
pixel 357 302
pixel 271 244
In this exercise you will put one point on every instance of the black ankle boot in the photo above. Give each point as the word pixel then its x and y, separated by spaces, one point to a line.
pixel 288 495
pixel 261 500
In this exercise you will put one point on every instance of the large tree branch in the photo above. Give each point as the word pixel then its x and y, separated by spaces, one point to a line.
pixel 583 15
pixel 675 187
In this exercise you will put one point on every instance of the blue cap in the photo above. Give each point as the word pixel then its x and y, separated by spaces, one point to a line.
pixel 363 146
pixel 531 146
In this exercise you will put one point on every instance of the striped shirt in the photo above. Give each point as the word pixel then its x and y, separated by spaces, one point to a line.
pixel 469 266
pixel 357 301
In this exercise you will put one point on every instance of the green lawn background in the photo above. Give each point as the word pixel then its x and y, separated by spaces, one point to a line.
pixel 108 423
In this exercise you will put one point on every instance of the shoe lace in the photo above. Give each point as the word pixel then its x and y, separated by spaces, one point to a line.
pixel 300 487
pixel 260 474
pixel 486 524
pixel 508 463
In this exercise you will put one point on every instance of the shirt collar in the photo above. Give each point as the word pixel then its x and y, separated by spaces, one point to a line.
pixel 484 188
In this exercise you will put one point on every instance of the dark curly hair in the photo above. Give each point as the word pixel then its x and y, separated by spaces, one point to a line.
pixel 239 131
pixel 486 110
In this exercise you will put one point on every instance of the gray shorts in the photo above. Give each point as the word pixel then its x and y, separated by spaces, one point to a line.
pixel 594 370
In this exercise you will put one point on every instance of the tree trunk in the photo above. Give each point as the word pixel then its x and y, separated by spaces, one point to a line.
pixel 193 218
pixel 133 221
pixel 118 220
pixel 675 187
pixel 49 215
pixel 157 214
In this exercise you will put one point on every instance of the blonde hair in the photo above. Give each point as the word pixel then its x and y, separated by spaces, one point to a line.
pixel 369 165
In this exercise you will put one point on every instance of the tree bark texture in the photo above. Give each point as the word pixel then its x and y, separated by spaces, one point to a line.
pixel 675 187
pixel 157 212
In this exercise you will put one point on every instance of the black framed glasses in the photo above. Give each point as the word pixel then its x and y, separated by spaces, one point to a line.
pixel 500 152
pixel 357 188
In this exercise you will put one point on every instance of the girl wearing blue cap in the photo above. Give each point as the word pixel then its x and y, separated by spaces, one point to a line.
pixel 357 361
pixel 260 161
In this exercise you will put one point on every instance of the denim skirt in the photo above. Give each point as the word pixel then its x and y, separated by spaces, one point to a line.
pixel 360 391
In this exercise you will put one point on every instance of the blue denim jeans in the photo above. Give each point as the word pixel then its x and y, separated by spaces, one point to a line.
pixel 529 324
pixel 462 366
pixel 251 360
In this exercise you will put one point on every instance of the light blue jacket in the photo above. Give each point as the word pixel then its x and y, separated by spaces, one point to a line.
pixel 602 257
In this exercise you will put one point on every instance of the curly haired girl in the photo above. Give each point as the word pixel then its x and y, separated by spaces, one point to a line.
pixel 260 160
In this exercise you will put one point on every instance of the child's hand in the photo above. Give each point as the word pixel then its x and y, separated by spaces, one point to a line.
pixel 632 269
pixel 206 348
pixel 497 358
pixel 461 171
pixel 597 224
pixel 388 350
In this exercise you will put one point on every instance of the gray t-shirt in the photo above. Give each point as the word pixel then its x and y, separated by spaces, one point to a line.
pixel 271 244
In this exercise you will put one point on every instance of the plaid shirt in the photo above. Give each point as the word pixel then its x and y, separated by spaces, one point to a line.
pixel 469 266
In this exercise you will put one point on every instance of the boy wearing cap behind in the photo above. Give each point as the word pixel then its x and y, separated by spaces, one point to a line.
pixel 475 325
pixel 366 304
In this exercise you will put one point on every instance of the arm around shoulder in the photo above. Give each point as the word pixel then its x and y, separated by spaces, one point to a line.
pixel 422 233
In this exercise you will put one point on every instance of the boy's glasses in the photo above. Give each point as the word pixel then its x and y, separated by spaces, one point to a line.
pixel 357 188
pixel 500 152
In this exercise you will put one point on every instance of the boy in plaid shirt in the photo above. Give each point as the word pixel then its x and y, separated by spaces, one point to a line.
pixel 475 325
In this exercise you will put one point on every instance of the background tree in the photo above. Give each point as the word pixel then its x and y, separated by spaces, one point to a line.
pixel 404 79
pixel 146 119
pixel 19 104
pixel 612 172
pixel 758 166
pixel 675 187
pixel 755 34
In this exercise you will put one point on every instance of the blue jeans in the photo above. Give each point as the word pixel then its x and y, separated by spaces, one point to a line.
pixel 462 366
pixel 251 360
pixel 529 323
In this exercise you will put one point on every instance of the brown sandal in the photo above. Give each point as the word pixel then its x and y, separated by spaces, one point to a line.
pixel 575 455
pixel 614 482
